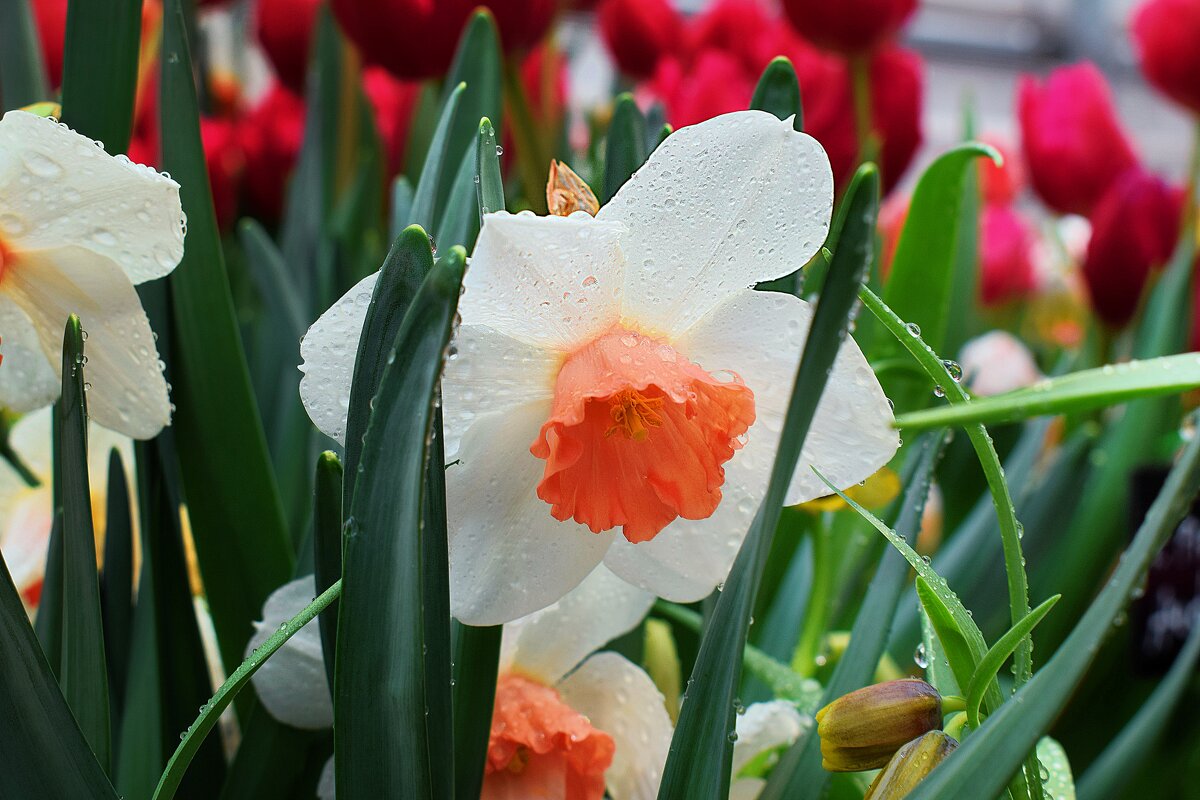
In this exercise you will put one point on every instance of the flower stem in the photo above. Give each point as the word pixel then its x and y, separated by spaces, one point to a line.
pixel 532 155
pixel 820 600
pixel 868 138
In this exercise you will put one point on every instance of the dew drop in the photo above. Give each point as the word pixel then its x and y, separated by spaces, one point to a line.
pixel 920 658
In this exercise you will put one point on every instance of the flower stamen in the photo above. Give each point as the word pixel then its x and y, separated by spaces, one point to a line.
pixel 634 414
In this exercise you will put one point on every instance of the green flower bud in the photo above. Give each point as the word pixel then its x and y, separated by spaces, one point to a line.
pixel 910 765
pixel 863 729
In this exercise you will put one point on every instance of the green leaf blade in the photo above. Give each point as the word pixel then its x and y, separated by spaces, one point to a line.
pixel 778 92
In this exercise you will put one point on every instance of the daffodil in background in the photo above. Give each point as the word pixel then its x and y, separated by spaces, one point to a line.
pixel 618 388
pixel 78 230
pixel 570 720
pixel 27 512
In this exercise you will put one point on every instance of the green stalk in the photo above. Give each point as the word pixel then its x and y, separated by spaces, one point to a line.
pixel 804 657
pixel 868 139
pixel 532 154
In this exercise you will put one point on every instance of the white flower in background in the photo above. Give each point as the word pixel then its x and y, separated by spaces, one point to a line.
pixel 568 721
pixel 619 389
pixel 78 229
pixel 997 362
pixel 27 513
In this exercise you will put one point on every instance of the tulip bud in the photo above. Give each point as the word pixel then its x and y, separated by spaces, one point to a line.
pixel 1074 146
pixel 285 30
pixel 271 138
pixel 1165 33
pixel 50 19
pixel 639 33
pixel 863 729
pixel 735 26
pixel 896 89
pixel 1000 184
pixel 910 765
pixel 223 153
pixel 849 26
pixel 1133 230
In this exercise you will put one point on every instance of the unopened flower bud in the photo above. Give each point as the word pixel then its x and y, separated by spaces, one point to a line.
pixel 863 729
pixel 567 193
pixel 910 765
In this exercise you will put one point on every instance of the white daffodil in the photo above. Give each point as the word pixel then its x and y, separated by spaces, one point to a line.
pixel 27 513
pixel 763 728
pixel 619 389
pixel 78 229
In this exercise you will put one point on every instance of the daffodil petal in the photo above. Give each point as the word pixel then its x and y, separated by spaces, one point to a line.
pixel 128 392
pixel 508 556
pixel 490 373
pixel 620 699
pixel 27 380
pixel 719 206
pixel 760 336
pixel 547 644
pixel 291 683
pixel 548 281
pixel 328 351
pixel 326 785
pixel 59 188
pixel 766 726
pixel 690 557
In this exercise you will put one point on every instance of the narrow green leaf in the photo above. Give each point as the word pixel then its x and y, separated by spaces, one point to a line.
pixel 489 180
pixel 919 286
pixel 460 222
pixel 100 62
pixel 49 614
pixel 116 588
pixel 1078 391
pixel 479 63
pixel 964 320
pixel 625 148
pixel 800 770
pixel 405 268
pixel 45 753
pixel 476 661
pixel 22 77
pixel 995 657
pixel 952 640
pixel 402 204
pixel 327 546
pixel 700 759
pixel 425 209
pixel 991 755
pixel 210 713
pixel 84 673
pixel 383 686
pixel 778 92
pixel 243 548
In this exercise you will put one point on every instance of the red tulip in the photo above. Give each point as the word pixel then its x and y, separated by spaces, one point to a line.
pixel 1000 185
pixel 896 90
pixel 271 137
pixel 223 152
pixel 639 33
pixel 716 83
pixel 735 27
pixel 1073 144
pixel 410 38
pixel 50 19
pixel 1134 228
pixel 1165 36
pixel 285 30
pixel 393 102
pixel 1005 256
pixel 522 23
pixel 848 26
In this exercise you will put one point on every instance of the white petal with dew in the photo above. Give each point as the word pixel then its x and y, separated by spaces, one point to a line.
pixel 766 726
pixel 27 380
pixel 508 556
pixel 719 206
pixel 620 699
pixel 128 391
pixel 329 350
pixel 548 281
pixel 60 188
pixel 760 336
pixel 490 373
pixel 291 683
pixel 549 643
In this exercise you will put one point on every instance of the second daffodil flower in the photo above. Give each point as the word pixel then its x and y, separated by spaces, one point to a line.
pixel 619 388
pixel 78 229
